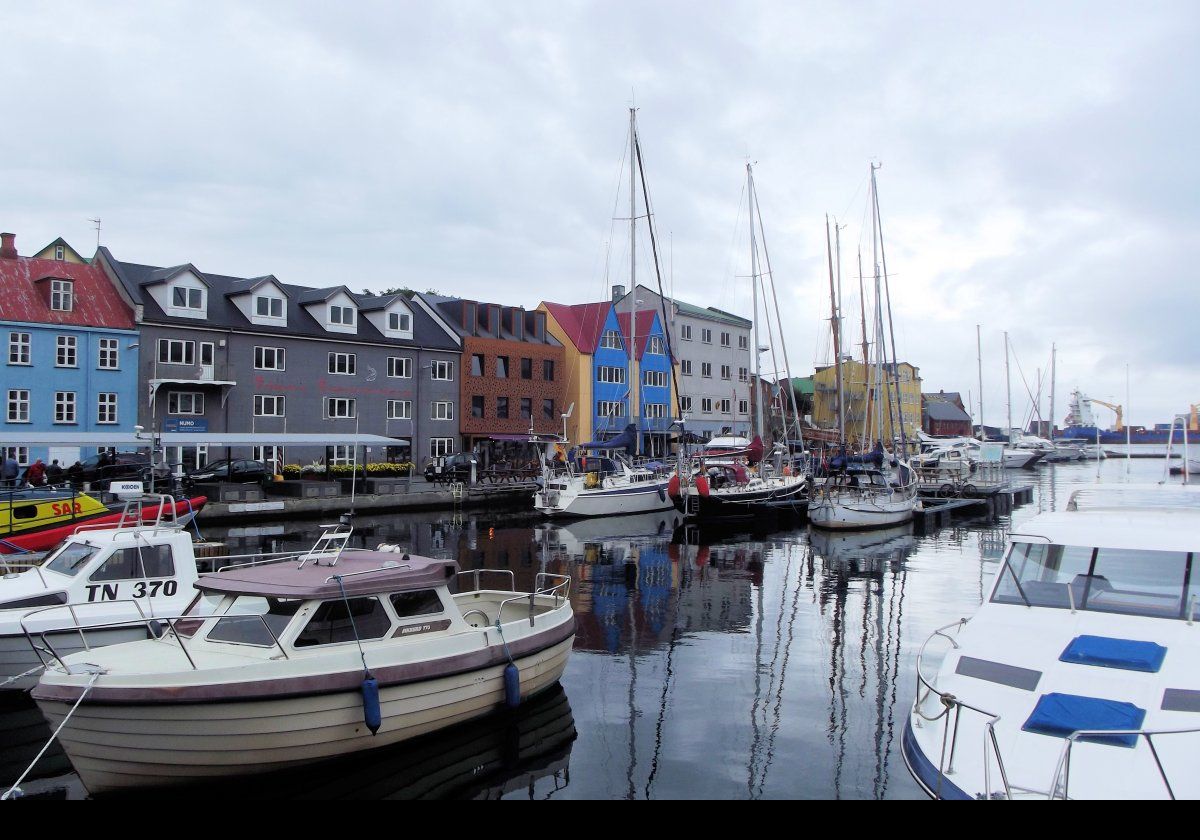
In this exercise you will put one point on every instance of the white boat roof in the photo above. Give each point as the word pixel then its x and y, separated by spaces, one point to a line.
pixel 1130 516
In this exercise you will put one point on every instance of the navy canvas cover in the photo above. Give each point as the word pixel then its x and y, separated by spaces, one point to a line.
pixel 1060 715
pixel 1104 652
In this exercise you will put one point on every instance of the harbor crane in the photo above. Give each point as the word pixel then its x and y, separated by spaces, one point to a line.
pixel 1120 412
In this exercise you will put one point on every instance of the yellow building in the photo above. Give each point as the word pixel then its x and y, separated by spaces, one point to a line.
pixel 61 251
pixel 858 385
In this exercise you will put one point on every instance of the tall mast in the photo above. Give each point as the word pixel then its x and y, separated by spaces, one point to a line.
pixel 634 398
pixel 758 394
pixel 1053 386
pixel 1008 388
pixel 895 377
pixel 979 361
pixel 836 324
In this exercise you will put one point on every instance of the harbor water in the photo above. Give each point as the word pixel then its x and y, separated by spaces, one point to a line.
pixel 761 662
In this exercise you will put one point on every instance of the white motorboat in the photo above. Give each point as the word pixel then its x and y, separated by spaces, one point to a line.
pixel 345 650
pixel 1077 678
pixel 866 491
pixel 101 574
pixel 602 481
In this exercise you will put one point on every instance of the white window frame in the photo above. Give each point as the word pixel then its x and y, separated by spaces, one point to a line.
pixel 685 332
pixel 399 326
pixel 685 404
pixel 277 357
pixel 743 374
pixel 17 410
pixel 20 454
pixel 611 340
pixel 399 367
pixel 706 405
pixel 656 346
pixel 341 454
pixel 654 411
pixel 272 303
pixel 743 406
pixel 66 347
pixel 20 348
pixel 685 367
pixel 610 375
pixel 347 361
pixel 185 403
pixel 725 406
pixel 399 409
pixel 106 408
pixel 654 378
pixel 342 316
pixel 441 410
pixel 66 408
pixel 346 408
pixel 726 339
pixel 706 370
pixel 60 253
pixel 726 372
pixel 610 408
pixel 270 405
pixel 108 350
pixel 169 344
pixel 191 295
pixel 445 366
pixel 440 447
pixel 706 336
pixel 62 295
pixel 743 342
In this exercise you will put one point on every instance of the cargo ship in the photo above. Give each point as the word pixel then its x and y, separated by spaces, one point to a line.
pixel 1081 423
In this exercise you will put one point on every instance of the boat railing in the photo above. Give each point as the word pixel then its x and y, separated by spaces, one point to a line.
pixel 333 541
pixel 561 591
pixel 133 516
pixel 77 627
pixel 476 574
pixel 156 628
pixel 1060 784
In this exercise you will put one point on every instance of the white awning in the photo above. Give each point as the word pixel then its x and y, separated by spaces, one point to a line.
pixel 131 440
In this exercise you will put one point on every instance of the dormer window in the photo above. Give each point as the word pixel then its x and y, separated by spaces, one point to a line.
pixel 399 322
pixel 342 316
pixel 268 307
pixel 184 297
pixel 62 295
pixel 60 253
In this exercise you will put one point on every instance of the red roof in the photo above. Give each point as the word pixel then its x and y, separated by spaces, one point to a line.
pixel 25 294
pixel 582 323
pixel 645 323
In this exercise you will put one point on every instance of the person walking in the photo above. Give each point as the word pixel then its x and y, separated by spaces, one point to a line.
pixel 35 476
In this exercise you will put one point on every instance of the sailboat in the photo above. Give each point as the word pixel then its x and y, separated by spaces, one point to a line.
pixel 874 489
pixel 742 481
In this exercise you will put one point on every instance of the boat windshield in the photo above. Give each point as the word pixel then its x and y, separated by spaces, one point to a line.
pixel 1155 584
pixel 253 620
pixel 70 558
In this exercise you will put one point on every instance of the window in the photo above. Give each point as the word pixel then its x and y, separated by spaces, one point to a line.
pixel 268 307
pixel 527 368
pixel 106 409
pixel 67 352
pixel 477 407
pixel 399 322
pixel 106 355
pixel 172 351
pixel 269 358
pixel 62 295
pixel 477 364
pixel 19 345
pixel 399 409
pixel 706 336
pixel 706 405
pixel 18 406
pixel 501 408
pixel 399 367
pixel 656 347
pixel 743 374
pixel 420 602
pixel 268 405
pixel 342 363
pixel 64 406
pixel 207 352
pixel 726 372
pixel 611 340
pixel 548 409
pixel 610 408
pixel 743 406
pixel 342 622
pixel 706 370
pixel 685 404
pixel 185 402
pixel 340 408
pixel 725 339
pixel 654 378
pixel 725 406
pixel 340 454
pixel 71 558
pixel 137 563
pixel 502 367
pixel 685 332
pixel 183 297
pixel 60 253
pixel 254 621
pixel 743 342
pixel 439 447
pixel 442 410
pixel 655 411
pixel 615 375
pixel 526 408
pixel 271 456
pixel 685 367
pixel 442 371
pixel 548 370
pixel 343 316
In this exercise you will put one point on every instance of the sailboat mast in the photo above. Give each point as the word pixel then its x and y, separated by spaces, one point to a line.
pixel 862 305
pixel 1053 386
pixel 979 362
pixel 634 413
pixel 887 287
pixel 836 323
pixel 1008 388
pixel 758 393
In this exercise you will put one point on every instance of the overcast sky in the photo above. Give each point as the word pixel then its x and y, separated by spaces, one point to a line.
pixel 1039 161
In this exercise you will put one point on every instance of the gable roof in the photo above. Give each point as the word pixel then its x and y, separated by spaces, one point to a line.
pixel 245 287
pixel 97 303
pixel 66 245
pixel 583 322
pixel 646 318
pixel 940 410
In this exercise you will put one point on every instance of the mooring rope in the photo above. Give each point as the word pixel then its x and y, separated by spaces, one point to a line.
pixel 353 626
pixel 17 784
pixel 12 680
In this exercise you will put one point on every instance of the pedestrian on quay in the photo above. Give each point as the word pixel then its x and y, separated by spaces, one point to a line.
pixel 35 476
pixel 54 472
pixel 9 470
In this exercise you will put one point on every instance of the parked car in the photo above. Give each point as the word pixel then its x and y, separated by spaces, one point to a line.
pixel 234 471
pixel 101 469
pixel 450 467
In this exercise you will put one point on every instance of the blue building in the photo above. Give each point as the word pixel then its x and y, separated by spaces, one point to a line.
pixel 656 409
pixel 70 354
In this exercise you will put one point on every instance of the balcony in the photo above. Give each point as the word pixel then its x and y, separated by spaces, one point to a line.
pixel 161 373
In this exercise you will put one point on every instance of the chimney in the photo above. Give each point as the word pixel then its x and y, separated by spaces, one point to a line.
pixel 8 246
pixel 618 292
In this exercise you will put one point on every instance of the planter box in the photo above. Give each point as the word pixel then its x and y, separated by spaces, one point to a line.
pixel 304 488
pixel 376 486
pixel 220 491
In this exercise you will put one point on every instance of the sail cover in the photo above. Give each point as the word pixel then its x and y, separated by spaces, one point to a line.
pixel 627 440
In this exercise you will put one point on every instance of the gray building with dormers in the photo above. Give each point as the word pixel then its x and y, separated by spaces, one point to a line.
pixel 713 362
pixel 256 355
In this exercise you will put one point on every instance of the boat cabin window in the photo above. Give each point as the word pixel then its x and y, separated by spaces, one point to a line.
pixel 331 623
pixel 148 561
pixel 1127 581
pixel 70 558
pixel 204 604
pixel 252 620
pixel 421 602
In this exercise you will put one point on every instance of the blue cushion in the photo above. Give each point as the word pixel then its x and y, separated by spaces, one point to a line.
pixel 1060 715
pixel 1115 653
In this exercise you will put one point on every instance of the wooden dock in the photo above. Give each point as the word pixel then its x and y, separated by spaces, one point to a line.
pixel 990 503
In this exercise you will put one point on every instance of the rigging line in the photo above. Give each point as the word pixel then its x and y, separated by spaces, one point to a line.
pixel 891 323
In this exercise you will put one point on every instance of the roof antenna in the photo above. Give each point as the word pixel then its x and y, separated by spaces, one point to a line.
pixel 96 222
